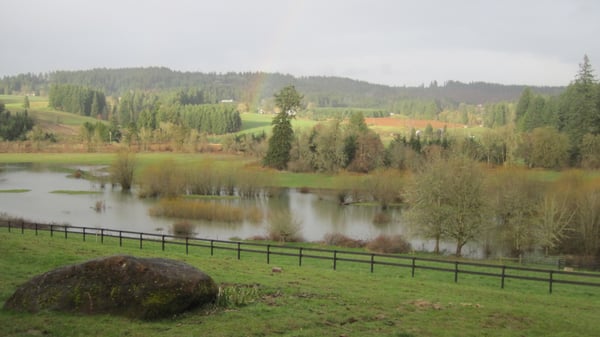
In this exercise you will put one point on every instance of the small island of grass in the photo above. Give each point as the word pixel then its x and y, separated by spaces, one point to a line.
pixel 17 190
pixel 74 192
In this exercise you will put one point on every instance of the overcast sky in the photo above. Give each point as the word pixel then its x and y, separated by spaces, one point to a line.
pixel 391 42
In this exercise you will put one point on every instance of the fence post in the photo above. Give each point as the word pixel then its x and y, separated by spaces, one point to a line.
pixel 300 257
pixel 503 275
pixel 412 271
pixel 551 280
pixel 334 259
pixel 65 229
pixel 187 249
pixel 36 229
pixel 372 261
pixel 212 247
pixel 51 230
pixel 268 254
pixel 561 263
pixel 238 250
pixel 163 242
pixel 456 272
pixel 23 227
pixel 141 239
pixel 120 239
pixel 83 234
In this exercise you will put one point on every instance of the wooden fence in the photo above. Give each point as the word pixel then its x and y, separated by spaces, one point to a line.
pixel 501 272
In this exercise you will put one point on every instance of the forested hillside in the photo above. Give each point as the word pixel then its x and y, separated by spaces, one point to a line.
pixel 252 87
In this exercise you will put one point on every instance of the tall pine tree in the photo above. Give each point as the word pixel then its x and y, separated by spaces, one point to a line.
pixel 278 154
pixel 579 113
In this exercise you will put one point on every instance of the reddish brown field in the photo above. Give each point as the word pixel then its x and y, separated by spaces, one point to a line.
pixel 409 123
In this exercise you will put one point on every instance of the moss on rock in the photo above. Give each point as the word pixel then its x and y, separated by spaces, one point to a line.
pixel 146 288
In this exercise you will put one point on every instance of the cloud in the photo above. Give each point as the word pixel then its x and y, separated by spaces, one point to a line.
pixel 392 42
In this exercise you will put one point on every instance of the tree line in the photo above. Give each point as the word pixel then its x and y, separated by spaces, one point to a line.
pixel 77 99
pixel 573 117
pixel 507 210
pixel 14 126
pixel 322 91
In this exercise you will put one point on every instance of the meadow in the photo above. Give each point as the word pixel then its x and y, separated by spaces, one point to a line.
pixel 311 300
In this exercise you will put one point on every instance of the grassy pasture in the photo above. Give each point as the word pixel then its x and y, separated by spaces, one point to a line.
pixel 312 300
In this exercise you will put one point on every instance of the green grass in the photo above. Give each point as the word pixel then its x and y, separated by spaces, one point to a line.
pixel 257 123
pixel 39 110
pixel 312 300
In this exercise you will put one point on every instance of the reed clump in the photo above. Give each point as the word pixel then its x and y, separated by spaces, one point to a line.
pixel 197 210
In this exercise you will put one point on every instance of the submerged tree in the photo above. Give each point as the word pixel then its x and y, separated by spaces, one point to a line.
pixel 122 169
pixel 447 201
pixel 278 154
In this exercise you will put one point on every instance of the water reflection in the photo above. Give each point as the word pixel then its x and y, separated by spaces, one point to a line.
pixel 319 212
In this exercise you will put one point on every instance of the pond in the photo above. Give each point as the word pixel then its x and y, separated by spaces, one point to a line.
pixel 317 213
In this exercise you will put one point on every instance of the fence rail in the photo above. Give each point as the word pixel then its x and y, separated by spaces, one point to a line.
pixel 501 272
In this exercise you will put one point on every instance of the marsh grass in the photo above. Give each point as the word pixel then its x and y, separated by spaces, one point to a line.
pixel 197 210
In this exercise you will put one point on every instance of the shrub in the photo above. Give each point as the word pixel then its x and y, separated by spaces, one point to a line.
pixel 341 240
pixel 283 227
pixel 99 206
pixel 183 229
pixel 304 190
pixel 389 244
pixel 121 170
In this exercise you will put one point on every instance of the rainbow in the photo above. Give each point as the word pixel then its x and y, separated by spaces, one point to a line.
pixel 291 20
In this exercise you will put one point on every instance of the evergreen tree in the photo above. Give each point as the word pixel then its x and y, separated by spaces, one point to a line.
pixel 278 154
pixel 579 111
pixel 523 106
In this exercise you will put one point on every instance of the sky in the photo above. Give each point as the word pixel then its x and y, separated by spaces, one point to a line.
pixel 391 42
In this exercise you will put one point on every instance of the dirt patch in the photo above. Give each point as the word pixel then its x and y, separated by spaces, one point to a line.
pixel 423 304
pixel 409 123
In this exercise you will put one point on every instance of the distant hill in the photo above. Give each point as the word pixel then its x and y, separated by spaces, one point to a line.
pixel 251 87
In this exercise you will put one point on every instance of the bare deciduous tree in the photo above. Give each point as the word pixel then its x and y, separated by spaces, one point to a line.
pixel 447 201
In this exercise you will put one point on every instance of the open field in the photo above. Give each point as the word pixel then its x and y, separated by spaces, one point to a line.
pixel 51 120
pixel 277 178
pixel 311 300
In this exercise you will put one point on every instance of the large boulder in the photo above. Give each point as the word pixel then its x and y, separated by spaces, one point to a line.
pixel 146 288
